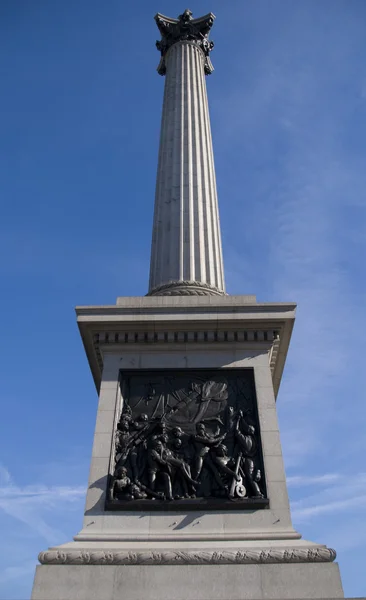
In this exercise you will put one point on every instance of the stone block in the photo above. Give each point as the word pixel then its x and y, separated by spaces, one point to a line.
pixel 309 580
pixel 274 468
pixel 277 493
pixel 108 398
pixel 188 582
pixel 268 419
pixel 111 364
pixel 109 384
pixel 168 359
pixel 130 358
pixel 271 443
pixel 97 482
pixel 263 377
pixel 73 582
pixel 95 497
pixel 98 467
pixel 102 445
pixel 175 524
pixel 206 359
pixel 261 522
pixel 131 523
pixel 265 397
pixel 105 421
pixel 250 358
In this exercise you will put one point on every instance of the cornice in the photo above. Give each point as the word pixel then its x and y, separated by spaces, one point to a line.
pixel 174 322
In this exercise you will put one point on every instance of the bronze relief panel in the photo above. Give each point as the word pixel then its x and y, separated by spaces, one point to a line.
pixel 187 439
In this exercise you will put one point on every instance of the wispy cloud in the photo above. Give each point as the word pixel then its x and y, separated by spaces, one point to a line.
pixel 17 572
pixel 31 503
pixel 34 516
pixel 5 477
pixel 331 509
pixel 290 142
pixel 305 480
pixel 330 494
pixel 302 514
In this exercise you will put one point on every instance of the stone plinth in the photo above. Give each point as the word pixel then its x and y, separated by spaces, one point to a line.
pixel 193 555
pixel 188 582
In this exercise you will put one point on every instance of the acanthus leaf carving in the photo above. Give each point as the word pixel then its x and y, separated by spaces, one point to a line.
pixel 185 29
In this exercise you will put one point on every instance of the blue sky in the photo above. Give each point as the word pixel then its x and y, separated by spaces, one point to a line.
pixel 80 117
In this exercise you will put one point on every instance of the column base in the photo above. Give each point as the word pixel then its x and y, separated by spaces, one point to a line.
pixel 186 288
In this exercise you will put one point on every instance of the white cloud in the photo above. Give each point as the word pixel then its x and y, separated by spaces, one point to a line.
pixel 341 492
pixel 5 478
pixel 31 503
pixel 33 517
pixel 305 480
pixel 301 514
pixel 17 572
pixel 290 119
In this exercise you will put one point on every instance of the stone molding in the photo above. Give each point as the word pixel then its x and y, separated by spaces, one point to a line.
pixel 186 288
pixel 274 351
pixel 187 322
pixel 188 557
pixel 184 337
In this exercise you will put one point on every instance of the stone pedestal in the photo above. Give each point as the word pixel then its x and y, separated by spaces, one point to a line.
pixel 231 554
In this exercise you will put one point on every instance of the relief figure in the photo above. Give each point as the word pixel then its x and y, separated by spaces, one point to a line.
pixel 180 439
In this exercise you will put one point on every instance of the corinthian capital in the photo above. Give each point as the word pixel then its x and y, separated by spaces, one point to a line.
pixel 185 28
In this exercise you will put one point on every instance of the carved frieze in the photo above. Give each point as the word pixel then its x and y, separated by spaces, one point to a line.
pixel 185 439
pixel 319 554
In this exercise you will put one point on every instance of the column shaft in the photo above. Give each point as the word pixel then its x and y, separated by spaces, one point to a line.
pixel 186 243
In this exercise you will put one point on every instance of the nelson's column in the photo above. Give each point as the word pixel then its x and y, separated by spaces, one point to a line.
pixel 187 495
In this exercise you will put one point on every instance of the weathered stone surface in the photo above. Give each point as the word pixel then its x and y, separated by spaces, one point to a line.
pixel 188 582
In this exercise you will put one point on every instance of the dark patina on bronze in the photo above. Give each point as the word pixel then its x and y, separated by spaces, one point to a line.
pixel 187 440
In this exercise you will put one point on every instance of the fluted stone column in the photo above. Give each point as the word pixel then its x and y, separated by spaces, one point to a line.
pixel 186 253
